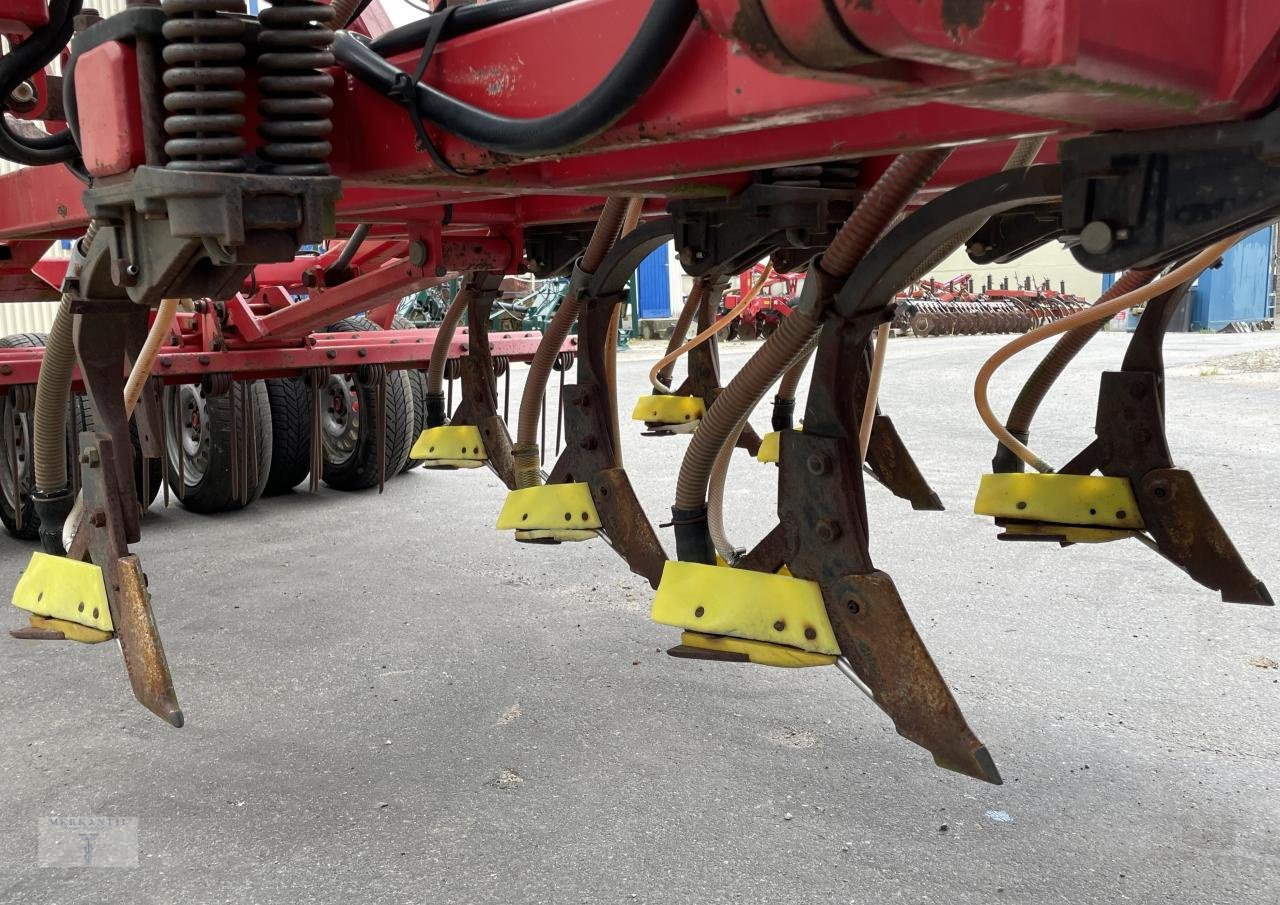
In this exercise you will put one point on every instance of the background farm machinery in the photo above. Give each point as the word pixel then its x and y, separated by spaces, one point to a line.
pixel 938 308
pixel 197 148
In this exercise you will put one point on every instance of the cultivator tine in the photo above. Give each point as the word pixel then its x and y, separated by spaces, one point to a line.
pixel 11 459
pixel 1131 444
pixel 891 464
pixel 234 426
pixel 559 410
pixel 506 395
pixel 317 382
pixel 177 433
pixel 252 433
pixel 888 459
pixel 113 577
pixel 474 428
pixel 73 440
pixel 164 446
pixel 820 487
pixel 380 421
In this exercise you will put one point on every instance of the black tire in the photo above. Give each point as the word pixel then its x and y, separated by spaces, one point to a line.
pixel 418 388
pixel 21 424
pixel 351 449
pixel 206 445
pixel 17 430
pixel 290 403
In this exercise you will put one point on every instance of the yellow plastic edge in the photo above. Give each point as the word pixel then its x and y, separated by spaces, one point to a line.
pixel 451 444
pixel 550 507
pixel 761 652
pixel 1060 499
pixel 65 589
pixel 1072 534
pixel 669 409
pixel 72 631
pixel 712 600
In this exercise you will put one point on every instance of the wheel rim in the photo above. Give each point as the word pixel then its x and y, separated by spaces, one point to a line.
pixel 15 435
pixel 190 435
pixel 341 418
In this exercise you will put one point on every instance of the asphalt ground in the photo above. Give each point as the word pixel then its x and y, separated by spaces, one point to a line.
pixel 388 701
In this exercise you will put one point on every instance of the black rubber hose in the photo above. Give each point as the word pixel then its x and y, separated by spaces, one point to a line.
pixel 19 64
pixel 655 43
pixel 463 21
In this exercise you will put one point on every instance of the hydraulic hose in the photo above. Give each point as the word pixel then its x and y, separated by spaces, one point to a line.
pixel 1098 313
pixel 1023 155
pixel 652 48
pixel 525 449
pixel 668 361
pixel 463 21
pixel 349 249
pixel 20 63
pixel 893 190
pixel 1064 350
pixel 436 414
pixel 53 389
pixel 697 295
pixel 344 11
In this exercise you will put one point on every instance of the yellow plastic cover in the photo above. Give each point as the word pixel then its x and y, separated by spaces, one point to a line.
pixel 550 508
pixel 668 409
pixel 65 589
pixel 1060 499
pixel 1072 534
pixel 713 600
pixel 761 652
pixel 459 445
pixel 770 447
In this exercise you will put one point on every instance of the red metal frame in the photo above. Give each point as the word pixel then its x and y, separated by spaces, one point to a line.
pixel 755 84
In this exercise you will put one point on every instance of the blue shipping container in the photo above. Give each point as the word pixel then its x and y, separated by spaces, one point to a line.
pixel 1239 289
pixel 653 285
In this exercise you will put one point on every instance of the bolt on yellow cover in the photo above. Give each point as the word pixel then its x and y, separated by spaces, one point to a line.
pixel 459 445
pixel 551 509
pixel 714 600
pixel 65 589
pixel 1062 499
pixel 669 409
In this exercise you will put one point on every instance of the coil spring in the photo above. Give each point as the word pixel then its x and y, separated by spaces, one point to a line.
pixel 295 103
pixel 203 52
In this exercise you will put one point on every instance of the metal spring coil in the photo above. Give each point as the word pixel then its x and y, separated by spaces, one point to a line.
pixel 202 95
pixel 295 104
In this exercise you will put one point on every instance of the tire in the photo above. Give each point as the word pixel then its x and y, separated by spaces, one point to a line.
pixel 290 403
pixel 351 449
pixel 204 441
pixel 20 425
pixel 418 392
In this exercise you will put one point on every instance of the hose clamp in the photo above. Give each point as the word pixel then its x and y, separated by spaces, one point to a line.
pixel 578 280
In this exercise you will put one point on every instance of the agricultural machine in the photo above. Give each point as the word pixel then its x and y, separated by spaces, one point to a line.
pixel 934 308
pixel 771 302
pixel 189 149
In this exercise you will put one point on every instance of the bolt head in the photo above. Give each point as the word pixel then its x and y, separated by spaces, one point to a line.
pixel 1097 237
pixel 818 464
pixel 827 530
